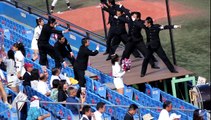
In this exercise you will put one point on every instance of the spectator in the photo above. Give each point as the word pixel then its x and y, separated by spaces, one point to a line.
pixel 12 78
pixel 54 3
pixel 131 111
pixel 87 113
pixel 164 114
pixel 98 115
pixel 42 86
pixel 81 62
pixel 34 112
pixel 27 77
pixel 19 58
pixel 54 90
pixel 35 78
pixel 63 49
pixel 62 91
pixel 37 31
pixel 73 99
pixel 117 74
pixel 56 74
pixel 198 114
pixel 148 117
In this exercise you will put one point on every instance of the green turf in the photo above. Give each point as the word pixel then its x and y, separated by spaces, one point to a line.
pixel 192 41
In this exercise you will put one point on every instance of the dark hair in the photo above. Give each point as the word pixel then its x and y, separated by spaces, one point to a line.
pixel 166 104
pixel 61 84
pixel 100 105
pixel 10 54
pixel 149 20
pixel 114 58
pixel 55 83
pixel 84 41
pixel 85 109
pixel 138 14
pixel 20 47
pixel 60 36
pixel 54 71
pixel 42 77
pixel 133 107
pixel 51 20
pixel 35 74
pixel 70 89
pixel 38 20
pixel 112 2
pixel 196 115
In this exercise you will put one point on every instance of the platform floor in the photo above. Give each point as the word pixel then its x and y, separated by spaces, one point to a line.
pixel 133 77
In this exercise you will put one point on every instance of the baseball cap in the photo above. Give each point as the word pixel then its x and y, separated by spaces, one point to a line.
pixel 27 65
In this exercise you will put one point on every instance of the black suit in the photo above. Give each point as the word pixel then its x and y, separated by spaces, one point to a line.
pixel 27 79
pixel 44 46
pixel 154 45
pixel 81 64
pixel 63 51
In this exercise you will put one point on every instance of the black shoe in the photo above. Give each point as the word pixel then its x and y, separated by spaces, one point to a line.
pixel 108 58
pixel 142 75
pixel 105 53
pixel 155 67
pixel 174 71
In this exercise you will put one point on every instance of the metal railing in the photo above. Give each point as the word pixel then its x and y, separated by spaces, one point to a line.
pixel 114 106
pixel 63 23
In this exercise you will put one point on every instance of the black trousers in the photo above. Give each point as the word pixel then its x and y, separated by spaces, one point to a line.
pixel 124 39
pixel 160 52
pixel 66 54
pixel 109 39
pixel 79 75
pixel 140 45
pixel 47 49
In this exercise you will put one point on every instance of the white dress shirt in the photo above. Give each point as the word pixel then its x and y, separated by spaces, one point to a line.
pixel 98 115
pixel 164 115
pixel 42 87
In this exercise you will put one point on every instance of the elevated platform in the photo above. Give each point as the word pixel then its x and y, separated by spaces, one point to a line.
pixel 133 77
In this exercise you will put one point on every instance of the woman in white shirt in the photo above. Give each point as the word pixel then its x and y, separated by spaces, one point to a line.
pixel 37 31
pixel 117 73
pixel 19 59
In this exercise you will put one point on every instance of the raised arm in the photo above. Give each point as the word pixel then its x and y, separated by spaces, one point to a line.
pixel 163 27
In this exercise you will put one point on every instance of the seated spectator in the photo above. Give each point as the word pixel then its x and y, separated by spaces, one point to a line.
pixel 27 77
pixel 34 112
pixel 164 114
pixel 54 90
pixel 62 91
pixel 198 114
pixel 56 74
pixel 148 116
pixel 42 86
pixel 73 99
pixel 35 78
pixel 98 115
pixel 131 111
pixel 87 113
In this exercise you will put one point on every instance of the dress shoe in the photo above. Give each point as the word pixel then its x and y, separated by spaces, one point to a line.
pixel 174 71
pixel 142 75
pixel 105 53
pixel 155 67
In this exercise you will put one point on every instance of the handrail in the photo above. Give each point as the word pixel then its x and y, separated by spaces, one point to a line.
pixel 30 10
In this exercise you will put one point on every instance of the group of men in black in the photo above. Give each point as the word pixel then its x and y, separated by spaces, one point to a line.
pixel 133 40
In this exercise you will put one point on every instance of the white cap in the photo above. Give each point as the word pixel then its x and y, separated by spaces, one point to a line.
pixel 174 116
pixel 147 117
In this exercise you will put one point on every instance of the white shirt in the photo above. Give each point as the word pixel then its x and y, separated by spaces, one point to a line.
pixel 117 71
pixel 2 75
pixel 84 116
pixel 60 77
pixel 164 115
pixel 37 32
pixel 98 115
pixel 42 87
pixel 19 61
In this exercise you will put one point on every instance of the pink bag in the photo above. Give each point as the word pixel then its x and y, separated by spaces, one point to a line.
pixel 126 64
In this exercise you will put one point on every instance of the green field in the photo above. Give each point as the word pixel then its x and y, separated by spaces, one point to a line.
pixel 192 41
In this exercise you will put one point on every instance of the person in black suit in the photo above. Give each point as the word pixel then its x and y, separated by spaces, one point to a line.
pixel 27 77
pixel 135 38
pixel 87 113
pixel 117 31
pixel 44 46
pixel 63 49
pixel 131 111
pixel 154 45
pixel 81 61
